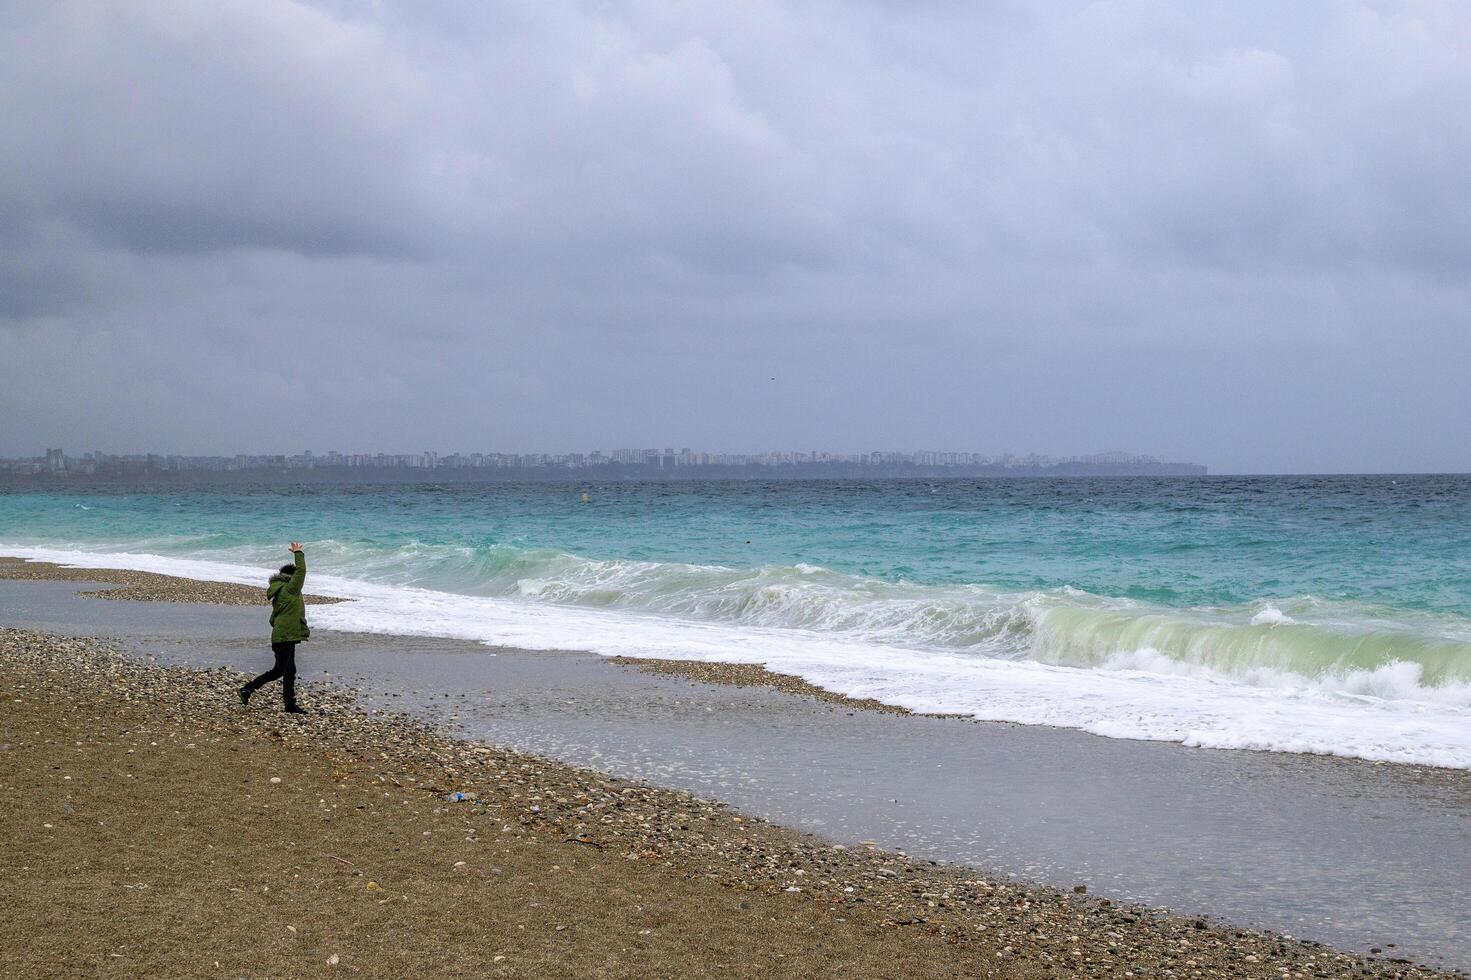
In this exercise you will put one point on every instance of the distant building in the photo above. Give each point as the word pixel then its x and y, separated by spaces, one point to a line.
pixel 665 463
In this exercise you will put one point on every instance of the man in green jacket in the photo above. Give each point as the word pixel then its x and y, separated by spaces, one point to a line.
pixel 288 628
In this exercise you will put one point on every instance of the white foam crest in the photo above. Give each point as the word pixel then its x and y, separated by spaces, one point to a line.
pixel 1270 615
pixel 1383 715
pixel 801 596
pixel 1401 680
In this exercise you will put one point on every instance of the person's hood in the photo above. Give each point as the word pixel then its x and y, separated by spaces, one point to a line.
pixel 278 579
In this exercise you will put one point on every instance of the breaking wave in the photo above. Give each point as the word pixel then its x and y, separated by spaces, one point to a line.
pixel 1317 642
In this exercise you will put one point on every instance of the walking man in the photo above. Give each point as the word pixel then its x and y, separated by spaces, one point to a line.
pixel 288 628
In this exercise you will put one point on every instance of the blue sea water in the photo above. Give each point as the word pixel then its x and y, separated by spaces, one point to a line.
pixel 1293 614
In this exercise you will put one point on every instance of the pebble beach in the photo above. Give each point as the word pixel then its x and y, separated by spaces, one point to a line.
pixel 530 871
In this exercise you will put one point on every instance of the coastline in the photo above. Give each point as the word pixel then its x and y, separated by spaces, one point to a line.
pixel 1355 704
pixel 991 923
pixel 145 586
pixel 156 587
pixel 888 915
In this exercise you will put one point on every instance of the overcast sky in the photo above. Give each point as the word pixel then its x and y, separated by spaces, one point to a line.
pixel 1237 233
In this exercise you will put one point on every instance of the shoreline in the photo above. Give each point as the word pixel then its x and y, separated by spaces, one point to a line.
pixel 158 587
pixel 145 586
pixel 958 919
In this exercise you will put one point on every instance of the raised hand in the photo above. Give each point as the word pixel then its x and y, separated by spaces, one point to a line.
pixel 295 546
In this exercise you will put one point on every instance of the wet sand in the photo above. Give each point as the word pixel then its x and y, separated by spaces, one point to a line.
pixel 754 675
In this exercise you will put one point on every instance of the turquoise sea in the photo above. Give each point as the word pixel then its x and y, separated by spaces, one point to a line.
pixel 1326 614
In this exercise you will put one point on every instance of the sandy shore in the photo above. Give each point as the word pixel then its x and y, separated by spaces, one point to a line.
pixel 139 812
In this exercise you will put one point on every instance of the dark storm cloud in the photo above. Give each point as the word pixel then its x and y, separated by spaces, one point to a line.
pixel 1235 232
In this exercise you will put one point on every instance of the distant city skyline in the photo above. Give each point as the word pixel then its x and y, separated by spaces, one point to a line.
pixel 58 462
pixel 87 461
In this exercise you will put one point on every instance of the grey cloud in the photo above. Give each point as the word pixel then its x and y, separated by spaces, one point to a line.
pixel 158 126
pixel 1232 231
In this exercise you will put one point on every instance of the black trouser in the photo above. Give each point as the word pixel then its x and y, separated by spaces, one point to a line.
pixel 285 669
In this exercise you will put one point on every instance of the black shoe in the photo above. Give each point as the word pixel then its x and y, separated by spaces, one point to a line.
pixel 244 695
pixel 295 709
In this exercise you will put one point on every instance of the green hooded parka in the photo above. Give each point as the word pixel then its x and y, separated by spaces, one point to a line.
pixel 288 608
